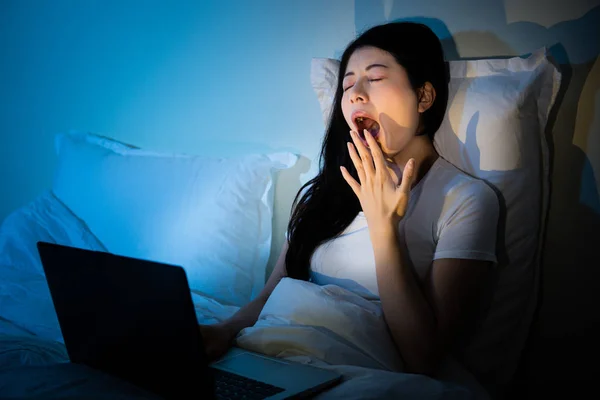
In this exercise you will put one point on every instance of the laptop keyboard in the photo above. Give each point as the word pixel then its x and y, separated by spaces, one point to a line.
pixel 231 386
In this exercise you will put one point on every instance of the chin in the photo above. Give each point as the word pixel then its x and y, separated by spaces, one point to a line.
pixel 389 153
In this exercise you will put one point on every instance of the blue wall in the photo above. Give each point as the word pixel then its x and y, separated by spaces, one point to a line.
pixel 199 77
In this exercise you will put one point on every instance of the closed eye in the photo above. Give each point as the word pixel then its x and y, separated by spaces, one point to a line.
pixel 370 80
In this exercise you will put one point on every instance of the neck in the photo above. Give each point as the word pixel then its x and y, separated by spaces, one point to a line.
pixel 421 149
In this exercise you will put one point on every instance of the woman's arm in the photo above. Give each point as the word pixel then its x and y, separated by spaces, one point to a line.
pixel 248 314
pixel 424 321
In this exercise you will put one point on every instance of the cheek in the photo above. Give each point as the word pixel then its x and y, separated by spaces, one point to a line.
pixel 346 111
pixel 402 107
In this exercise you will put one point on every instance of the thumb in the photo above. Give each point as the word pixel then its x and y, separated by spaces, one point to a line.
pixel 404 188
pixel 407 176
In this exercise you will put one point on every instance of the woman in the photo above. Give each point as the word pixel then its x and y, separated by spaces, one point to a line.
pixel 386 216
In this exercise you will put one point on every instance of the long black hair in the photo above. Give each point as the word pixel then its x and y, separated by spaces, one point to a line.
pixel 326 205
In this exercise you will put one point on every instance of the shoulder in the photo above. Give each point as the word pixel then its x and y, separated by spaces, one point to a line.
pixel 459 186
pixel 456 196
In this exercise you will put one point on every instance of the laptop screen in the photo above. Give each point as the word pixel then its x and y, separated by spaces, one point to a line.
pixel 131 318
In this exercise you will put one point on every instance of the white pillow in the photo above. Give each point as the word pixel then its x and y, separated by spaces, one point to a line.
pixel 494 129
pixel 212 216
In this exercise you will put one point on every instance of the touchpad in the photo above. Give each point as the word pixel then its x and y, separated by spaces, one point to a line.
pixel 252 366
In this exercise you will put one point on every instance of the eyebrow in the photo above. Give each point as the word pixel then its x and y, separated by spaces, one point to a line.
pixel 366 69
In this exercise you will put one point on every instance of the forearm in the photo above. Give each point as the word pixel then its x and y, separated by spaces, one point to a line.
pixel 246 316
pixel 408 315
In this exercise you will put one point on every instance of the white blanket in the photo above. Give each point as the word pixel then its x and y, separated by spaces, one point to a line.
pixel 24 296
pixel 325 323
pixel 332 328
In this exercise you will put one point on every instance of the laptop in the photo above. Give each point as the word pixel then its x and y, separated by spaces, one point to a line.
pixel 135 319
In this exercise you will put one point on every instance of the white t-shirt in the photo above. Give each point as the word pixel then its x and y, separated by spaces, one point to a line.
pixel 450 215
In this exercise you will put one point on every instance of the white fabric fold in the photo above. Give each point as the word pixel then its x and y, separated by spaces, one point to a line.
pixel 326 323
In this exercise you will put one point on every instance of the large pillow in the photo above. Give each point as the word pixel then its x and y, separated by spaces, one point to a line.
pixel 212 216
pixel 494 129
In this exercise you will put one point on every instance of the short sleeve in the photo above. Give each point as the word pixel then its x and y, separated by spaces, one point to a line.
pixel 469 230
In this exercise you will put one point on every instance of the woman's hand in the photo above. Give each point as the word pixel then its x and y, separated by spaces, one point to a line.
pixel 217 340
pixel 383 202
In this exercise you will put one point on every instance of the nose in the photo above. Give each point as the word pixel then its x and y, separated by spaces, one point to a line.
pixel 358 93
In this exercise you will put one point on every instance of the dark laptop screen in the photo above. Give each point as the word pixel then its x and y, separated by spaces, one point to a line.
pixel 131 318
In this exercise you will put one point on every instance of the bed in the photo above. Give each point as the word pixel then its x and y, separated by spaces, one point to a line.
pixel 33 360
pixel 214 217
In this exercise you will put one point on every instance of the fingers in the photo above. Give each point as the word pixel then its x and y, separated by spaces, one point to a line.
pixel 408 176
pixel 365 155
pixel 357 163
pixel 377 155
pixel 351 181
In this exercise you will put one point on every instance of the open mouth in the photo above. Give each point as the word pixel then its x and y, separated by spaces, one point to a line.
pixel 367 123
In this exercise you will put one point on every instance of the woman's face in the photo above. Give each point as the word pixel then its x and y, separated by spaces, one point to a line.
pixel 378 97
